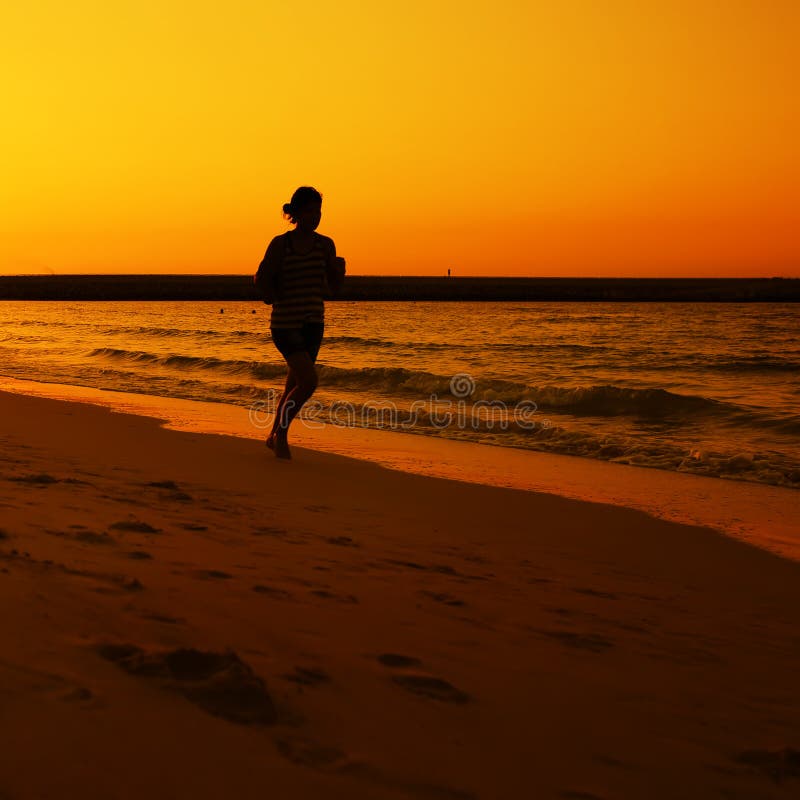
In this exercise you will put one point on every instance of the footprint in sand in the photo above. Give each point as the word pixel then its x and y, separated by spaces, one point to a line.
pixel 339 598
pixel 111 584
pixel 175 491
pixel 269 591
pixel 596 593
pixel 179 497
pixel 94 538
pixel 311 754
pixel 420 684
pixel 430 687
pixel 342 541
pixel 442 569
pixel 270 530
pixel 41 480
pixel 409 564
pixel 308 676
pixel 397 660
pixel 164 619
pixel 171 485
pixel 219 683
pixel 133 526
pixel 138 555
pixel 190 526
pixel 581 641
pixel 442 597
pixel 213 574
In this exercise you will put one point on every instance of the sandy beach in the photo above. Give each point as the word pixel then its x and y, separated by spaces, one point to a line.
pixel 185 616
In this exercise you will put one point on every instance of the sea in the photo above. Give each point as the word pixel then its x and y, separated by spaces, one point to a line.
pixel 705 388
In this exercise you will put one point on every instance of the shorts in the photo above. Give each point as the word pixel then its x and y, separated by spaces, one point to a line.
pixel 307 339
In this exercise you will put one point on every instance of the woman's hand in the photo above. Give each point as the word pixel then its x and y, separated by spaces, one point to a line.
pixel 339 268
pixel 334 267
pixel 336 271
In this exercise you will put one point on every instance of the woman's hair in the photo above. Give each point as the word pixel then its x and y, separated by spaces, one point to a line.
pixel 300 199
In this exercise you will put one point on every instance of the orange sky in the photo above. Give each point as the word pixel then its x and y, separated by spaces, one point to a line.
pixel 599 137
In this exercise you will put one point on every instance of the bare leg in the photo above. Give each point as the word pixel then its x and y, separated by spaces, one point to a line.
pixel 291 382
pixel 305 377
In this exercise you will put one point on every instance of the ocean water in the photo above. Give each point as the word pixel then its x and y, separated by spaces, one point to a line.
pixel 710 389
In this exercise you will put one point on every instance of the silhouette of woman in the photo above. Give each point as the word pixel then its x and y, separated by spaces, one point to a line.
pixel 292 276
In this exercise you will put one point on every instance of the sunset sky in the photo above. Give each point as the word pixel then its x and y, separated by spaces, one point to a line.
pixel 599 137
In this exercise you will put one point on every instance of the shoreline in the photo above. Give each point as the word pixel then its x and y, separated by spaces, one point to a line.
pixel 407 636
pixel 762 515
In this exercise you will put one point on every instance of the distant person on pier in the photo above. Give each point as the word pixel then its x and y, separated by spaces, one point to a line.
pixel 291 278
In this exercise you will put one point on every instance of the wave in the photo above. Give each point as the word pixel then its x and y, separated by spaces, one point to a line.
pixel 256 369
pixel 185 333
pixel 601 400
pixel 535 433
pixel 263 337
pixel 360 341
pixel 507 347
pixel 768 467
pixel 585 356
pixel 700 365
pixel 754 363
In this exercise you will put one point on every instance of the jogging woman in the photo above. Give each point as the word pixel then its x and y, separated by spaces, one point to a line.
pixel 292 276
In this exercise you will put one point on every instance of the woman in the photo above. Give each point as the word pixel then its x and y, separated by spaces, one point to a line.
pixel 292 277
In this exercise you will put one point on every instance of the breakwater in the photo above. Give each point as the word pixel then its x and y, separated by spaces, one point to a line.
pixel 409 288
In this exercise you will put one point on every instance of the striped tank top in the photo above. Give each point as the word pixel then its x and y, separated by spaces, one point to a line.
pixel 302 282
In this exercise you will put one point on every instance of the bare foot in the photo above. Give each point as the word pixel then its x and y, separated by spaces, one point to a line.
pixel 281 447
pixel 271 441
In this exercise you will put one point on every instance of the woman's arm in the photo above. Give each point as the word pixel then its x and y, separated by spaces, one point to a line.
pixel 334 267
pixel 267 278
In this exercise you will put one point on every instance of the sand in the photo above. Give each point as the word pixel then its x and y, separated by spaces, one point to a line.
pixel 185 616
